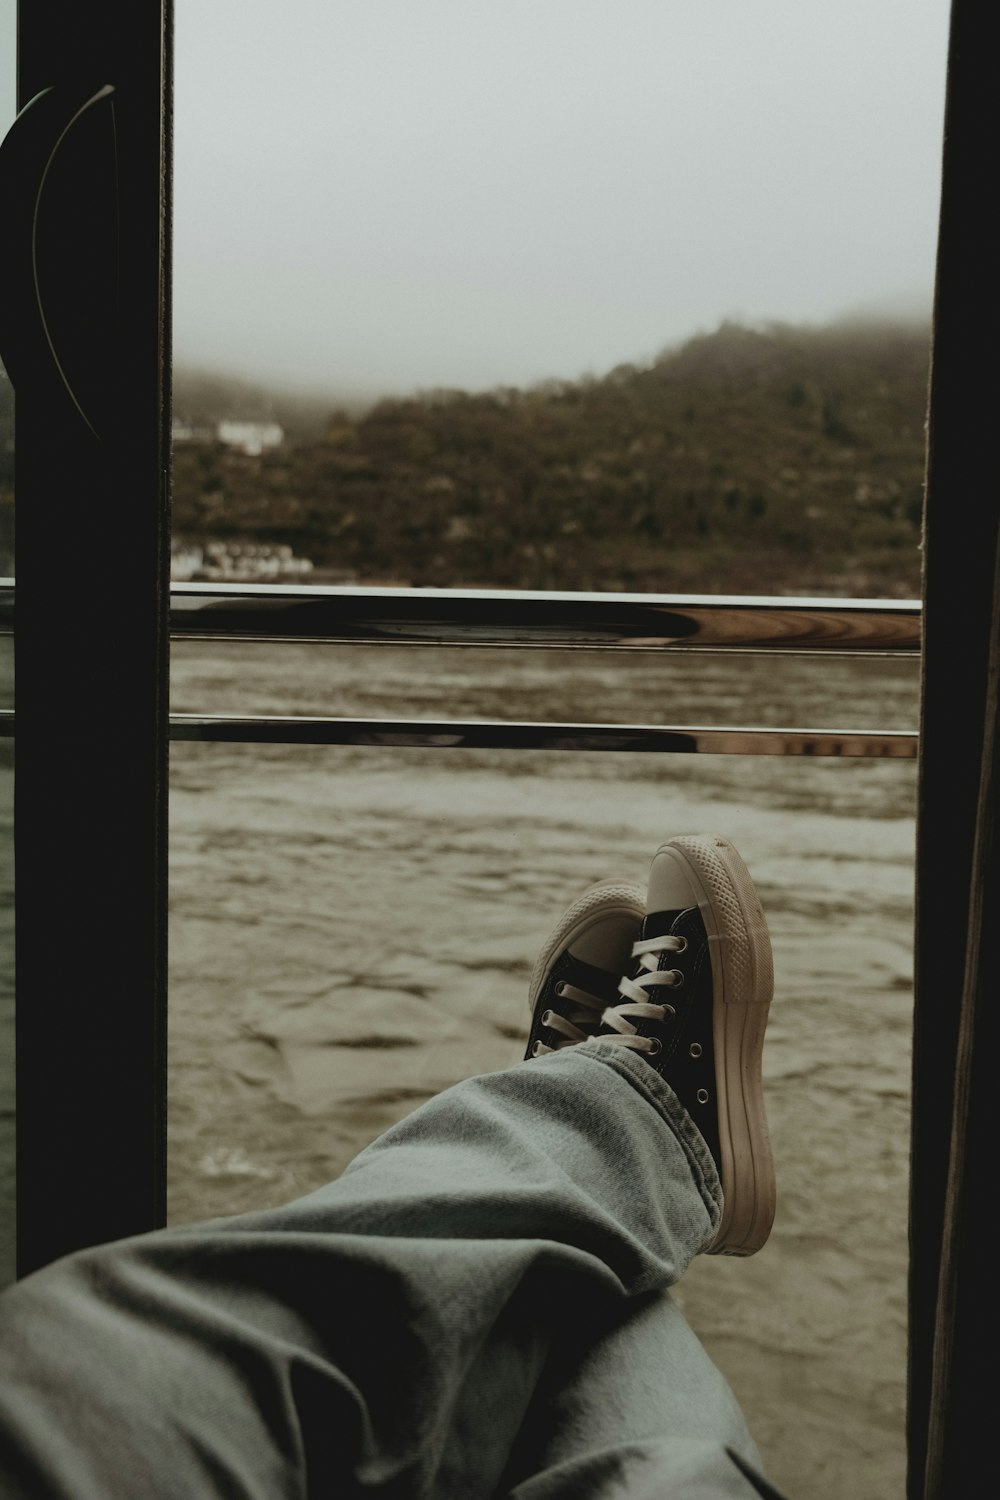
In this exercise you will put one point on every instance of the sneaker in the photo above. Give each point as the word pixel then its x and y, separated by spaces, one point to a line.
pixel 694 1005
pixel 578 972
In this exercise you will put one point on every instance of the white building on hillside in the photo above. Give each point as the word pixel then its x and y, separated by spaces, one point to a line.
pixel 250 437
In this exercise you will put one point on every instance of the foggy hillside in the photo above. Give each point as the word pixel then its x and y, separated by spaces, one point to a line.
pixel 785 459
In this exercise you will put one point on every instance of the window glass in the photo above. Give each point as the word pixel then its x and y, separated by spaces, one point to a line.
pixel 580 295
pixel 570 295
pixel 353 929
pixel 8 30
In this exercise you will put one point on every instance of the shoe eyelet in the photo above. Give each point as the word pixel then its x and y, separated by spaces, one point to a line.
pixel 546 1017
pixel 655 1047
pixel 702 1096
pixel 668 1010
pixel 695 1049
pixel 676 979
pixel 536 1050
pixel 683 945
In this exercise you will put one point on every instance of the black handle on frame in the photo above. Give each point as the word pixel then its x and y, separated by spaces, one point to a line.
pixel 48 321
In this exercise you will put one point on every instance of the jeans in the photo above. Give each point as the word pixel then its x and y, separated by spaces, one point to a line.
pixel 479 1306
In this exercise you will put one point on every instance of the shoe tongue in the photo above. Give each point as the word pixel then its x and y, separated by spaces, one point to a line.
pixel 659 923
pixel 596 981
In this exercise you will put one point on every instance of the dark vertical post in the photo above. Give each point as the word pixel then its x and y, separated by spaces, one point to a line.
pixel 92 644
pixel 955 1091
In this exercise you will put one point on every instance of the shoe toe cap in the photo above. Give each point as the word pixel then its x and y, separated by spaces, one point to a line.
pixel 671 883
pixel 607 943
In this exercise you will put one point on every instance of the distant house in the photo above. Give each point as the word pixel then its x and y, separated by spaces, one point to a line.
pixel 250 437
pixel 234 562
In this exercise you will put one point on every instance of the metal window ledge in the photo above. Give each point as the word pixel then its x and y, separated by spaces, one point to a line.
pixel 496 617
pixel 488 617
pixel 686 739
pixel 491 734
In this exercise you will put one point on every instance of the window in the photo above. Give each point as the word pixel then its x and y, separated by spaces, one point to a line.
pixel 285 858
pixel 7 110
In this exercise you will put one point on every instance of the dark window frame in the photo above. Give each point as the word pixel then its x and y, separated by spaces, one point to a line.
pixel 93 525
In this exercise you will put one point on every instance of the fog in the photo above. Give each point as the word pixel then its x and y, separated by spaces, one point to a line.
pixel 388 194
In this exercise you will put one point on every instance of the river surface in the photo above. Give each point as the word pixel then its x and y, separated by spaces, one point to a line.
pixel 352 930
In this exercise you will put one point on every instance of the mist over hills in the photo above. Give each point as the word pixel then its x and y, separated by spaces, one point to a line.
pixel 777 459
pixel 205 397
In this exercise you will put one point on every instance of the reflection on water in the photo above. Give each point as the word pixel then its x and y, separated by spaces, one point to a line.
pixel 353 930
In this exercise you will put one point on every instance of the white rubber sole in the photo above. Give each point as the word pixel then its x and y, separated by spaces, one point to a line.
pixel 609 898
pixel 743 979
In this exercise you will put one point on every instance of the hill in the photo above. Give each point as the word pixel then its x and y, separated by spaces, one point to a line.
pixel 768 460
pixel 778 460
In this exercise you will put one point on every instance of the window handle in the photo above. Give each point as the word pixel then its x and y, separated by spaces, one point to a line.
pixel 58 268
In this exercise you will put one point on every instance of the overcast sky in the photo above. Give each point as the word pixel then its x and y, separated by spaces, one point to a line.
pixel 382 194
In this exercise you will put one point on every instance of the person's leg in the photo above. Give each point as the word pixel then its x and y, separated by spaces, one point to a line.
pixel 387 1333
pixel 633 1395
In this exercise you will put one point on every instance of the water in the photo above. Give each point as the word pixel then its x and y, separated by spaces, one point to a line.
pixel 352 929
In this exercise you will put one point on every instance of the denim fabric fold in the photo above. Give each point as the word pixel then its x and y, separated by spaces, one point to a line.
pixel 481 1296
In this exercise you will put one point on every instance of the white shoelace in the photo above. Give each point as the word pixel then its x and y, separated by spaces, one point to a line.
pixel 569 1027
pixel 638 1005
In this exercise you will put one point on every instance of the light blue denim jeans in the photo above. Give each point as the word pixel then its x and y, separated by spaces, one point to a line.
pixel 479 1306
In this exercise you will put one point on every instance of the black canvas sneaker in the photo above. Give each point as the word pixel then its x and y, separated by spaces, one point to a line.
pixel 578 972
pixel 694 1005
